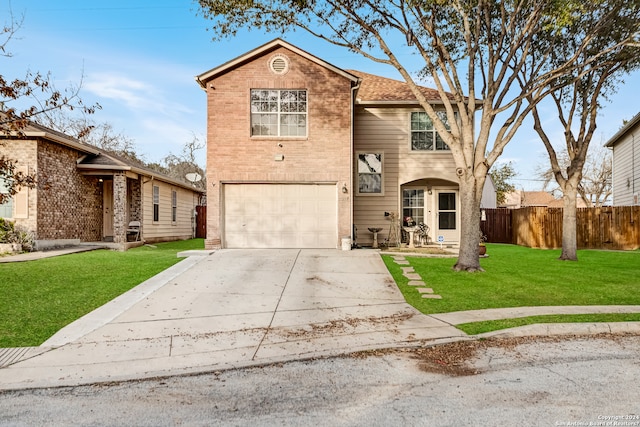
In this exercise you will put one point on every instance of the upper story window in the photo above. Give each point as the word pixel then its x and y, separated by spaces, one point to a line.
pixel 278 112
pixel 423 134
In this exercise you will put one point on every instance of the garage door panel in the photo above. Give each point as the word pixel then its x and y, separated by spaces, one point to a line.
pixel 280 216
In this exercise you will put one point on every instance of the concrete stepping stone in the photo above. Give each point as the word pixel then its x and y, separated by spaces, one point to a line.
pixel 432 296
pixel 406 270
pixel 413 276
pixel 415 283
pixel 425 290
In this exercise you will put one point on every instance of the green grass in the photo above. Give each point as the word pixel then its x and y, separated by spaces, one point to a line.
pixel 38 298
pixel 495 325
pixel 518 277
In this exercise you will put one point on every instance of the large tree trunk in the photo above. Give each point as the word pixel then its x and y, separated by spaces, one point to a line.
pixel 569 226
pixel 470 197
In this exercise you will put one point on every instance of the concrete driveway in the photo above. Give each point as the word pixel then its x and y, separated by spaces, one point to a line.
pixel 233 308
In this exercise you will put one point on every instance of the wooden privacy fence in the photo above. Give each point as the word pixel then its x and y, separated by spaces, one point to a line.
pixel 201 222
pixel 541 227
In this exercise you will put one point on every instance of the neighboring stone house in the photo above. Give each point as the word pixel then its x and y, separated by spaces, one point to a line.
pixel 84 194
pixel 302 153
pixel 626 164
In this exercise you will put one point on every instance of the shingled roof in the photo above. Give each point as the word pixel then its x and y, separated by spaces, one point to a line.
pixel 375 89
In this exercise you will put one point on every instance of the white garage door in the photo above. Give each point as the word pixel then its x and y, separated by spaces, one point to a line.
pixel 280 216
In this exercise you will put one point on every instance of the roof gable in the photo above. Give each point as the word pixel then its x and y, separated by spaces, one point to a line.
pixel 95 157
pixel 622 132
pixel 203 78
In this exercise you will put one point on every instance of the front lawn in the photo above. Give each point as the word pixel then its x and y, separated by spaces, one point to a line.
pixel 518 277
pixel 40 297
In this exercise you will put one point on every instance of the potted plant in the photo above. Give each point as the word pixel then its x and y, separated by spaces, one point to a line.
pixel 482 248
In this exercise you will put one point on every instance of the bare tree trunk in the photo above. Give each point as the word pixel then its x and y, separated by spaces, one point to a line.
pixel 569 226
pixel 468 258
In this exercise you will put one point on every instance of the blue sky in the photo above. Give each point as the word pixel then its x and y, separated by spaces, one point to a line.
pixel 138 59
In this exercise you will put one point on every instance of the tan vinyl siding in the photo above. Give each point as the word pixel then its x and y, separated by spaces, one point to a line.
pixel 165 228
pixel 386 131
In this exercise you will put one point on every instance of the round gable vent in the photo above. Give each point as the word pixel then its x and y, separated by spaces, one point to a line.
pixel 279 64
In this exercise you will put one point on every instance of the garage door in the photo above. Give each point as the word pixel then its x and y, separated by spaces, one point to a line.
pixel 280 216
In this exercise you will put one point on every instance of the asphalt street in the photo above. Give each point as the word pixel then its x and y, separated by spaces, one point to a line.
pixel 562 381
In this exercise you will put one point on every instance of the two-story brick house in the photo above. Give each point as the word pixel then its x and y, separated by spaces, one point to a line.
pixel 300 153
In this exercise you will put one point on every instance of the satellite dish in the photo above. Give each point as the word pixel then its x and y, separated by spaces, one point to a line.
pixel 193 177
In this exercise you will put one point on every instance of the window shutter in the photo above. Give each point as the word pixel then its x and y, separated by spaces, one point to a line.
pixel 21 204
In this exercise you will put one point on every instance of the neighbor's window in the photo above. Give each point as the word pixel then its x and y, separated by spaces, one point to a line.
pixel 278 112
pixel 156 203
pixel 6 208
pixel 423 134
pixel 370 173
pixel 174 206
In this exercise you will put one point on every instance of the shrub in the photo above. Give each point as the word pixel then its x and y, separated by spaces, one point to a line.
pixel 11 233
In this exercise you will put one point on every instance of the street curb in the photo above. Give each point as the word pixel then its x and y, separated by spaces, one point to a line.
pixel 559 329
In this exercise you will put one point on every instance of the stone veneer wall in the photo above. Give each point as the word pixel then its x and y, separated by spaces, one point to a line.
pixel 69 204
pixel 120 207
pixel 134 191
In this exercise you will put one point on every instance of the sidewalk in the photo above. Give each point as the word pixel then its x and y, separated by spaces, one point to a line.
pixel 239 308
pixel 31 256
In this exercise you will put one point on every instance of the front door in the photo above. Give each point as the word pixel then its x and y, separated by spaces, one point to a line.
pixel 107 213
pixel 447 215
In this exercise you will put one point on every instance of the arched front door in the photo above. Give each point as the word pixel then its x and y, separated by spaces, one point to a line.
pixel 436 207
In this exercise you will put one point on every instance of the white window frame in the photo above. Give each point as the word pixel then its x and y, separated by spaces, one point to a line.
pixel 360 171
pixel 174 206
pixel 156 203
pixel 273 105
pixel 431 131
pixel 416 218
pixel 8 205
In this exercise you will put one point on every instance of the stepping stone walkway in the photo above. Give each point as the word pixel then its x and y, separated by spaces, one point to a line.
pixel 414 278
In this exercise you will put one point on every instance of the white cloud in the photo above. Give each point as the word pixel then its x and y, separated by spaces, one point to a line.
pixel 133 93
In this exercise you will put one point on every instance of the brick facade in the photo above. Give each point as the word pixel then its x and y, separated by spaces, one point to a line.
pixel 26 154
pixel 69 204
pixel 64 204
pixel 233 155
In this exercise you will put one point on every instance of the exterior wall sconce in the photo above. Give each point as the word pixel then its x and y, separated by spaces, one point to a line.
pixel 345 190
pixel 429 191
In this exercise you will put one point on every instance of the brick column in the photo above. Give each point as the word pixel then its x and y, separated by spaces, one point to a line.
pixel 120 207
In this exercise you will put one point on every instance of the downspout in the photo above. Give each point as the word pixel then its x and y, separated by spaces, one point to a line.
pixel 633 165
pixel 354 89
